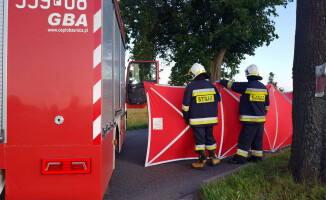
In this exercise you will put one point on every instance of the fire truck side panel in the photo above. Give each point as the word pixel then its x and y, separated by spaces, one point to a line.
pixel 107 62
pixel 25 181
pixel 107 92
pixel 51 74
pixel 63 97
pixel 107 160
pixel 48 76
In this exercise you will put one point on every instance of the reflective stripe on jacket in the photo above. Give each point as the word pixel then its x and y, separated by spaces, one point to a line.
pixel 254 100
pixel 199 106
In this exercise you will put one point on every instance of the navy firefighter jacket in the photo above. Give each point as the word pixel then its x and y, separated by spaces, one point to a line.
pixel 200 100
pixel 254 100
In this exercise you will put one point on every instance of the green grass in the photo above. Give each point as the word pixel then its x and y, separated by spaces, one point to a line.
pixel 270 179
pixel 137 126
pixel 137 118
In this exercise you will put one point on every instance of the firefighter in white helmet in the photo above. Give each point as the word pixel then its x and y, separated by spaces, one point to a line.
pixel 254 104
pixel 199 109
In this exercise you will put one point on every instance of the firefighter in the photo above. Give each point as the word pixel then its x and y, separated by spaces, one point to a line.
pixel 254 104
pixel 199 109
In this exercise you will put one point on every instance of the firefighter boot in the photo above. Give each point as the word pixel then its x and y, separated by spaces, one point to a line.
pixel 254 159
pixel 201 163
pixel 213 160
pixel 237 159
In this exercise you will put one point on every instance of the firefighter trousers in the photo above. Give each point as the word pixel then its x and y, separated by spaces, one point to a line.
pixel 251 135
pixel 204 138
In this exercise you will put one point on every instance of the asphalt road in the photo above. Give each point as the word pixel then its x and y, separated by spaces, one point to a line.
pixel 176 180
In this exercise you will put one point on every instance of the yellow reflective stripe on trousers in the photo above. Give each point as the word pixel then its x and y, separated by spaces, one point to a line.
pixel 203 92
pixel 200 147
pixel 257 153
pixel 252 120
pixel 185 108
pixel 211 147
pixel 242 153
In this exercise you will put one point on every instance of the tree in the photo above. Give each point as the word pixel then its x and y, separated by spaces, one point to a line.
pixel 308 154
pixel 145 25
pixel 271 79
pixel 215 33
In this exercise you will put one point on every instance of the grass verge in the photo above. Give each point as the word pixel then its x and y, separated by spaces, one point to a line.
pixel 137 118
pixel 137 126
pixel 270 179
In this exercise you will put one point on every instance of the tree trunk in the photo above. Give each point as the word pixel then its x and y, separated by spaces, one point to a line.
pixel 216 65
pixel 308 156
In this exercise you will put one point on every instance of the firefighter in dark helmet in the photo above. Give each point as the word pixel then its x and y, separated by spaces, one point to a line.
pixel 254 104
pixel 199 109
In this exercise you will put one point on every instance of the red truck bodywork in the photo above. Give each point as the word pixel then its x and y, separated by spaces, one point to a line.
pixel 54 68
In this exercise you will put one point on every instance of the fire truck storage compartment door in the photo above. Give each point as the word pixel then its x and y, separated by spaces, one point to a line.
pixel 2 67
pixel 107 67
pixel 117 65
pixel 122 77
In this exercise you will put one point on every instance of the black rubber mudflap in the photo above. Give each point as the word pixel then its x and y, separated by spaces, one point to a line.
pixel 2 195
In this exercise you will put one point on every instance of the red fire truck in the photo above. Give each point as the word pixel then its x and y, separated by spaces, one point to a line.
pixel 62 97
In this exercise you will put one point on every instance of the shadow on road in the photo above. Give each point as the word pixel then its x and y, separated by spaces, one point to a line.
pixel 176 180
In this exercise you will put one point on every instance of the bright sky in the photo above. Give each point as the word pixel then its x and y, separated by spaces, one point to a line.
pixel 276 58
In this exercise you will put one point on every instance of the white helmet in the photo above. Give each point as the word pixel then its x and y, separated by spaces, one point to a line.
pixel 252 70
pixel 196 69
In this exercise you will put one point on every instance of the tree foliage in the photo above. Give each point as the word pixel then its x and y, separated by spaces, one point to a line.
pixel 271 79
pixel 214 33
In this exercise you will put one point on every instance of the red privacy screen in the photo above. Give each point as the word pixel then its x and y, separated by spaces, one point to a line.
pixel 171 139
